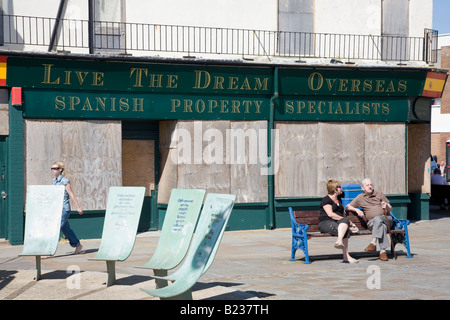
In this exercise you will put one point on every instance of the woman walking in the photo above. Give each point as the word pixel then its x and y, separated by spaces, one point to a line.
pixel 59 179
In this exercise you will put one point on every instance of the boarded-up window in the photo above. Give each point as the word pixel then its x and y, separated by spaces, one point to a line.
pixel 395 30
pixel 221 156
pixel 296 25
pixel 310 153
pixel 90 150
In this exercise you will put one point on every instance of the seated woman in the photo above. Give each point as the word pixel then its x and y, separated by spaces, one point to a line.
pixel 332 219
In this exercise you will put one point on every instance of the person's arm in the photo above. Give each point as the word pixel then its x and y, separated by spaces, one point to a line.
pixel 385 204
pixel 329 211
pixel 74 199
pixel 359 212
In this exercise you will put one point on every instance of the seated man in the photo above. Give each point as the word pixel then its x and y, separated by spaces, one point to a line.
pixel 374 205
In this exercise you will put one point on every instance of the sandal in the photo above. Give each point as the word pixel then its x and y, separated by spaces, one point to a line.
pixel 339 245
pixel 351 261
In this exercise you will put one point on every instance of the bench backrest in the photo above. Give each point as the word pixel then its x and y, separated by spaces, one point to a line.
pixel 231 197
pixel 178 227
pixel 311 218
pixel 44 206
pixel 208 234
pixel 123 210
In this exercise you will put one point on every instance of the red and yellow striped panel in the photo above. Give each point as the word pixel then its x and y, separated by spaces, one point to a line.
pixel 434 84
pixel 3 71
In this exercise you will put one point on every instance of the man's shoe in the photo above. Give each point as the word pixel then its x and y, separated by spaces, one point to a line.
pixel 383 256
pixel 371 247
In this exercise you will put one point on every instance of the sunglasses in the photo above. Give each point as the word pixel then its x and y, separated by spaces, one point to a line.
pixel 55 168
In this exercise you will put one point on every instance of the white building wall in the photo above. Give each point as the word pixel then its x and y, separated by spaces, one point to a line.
pixel 348 17
pixel 420 17
pixel 75 9
pixel 238 14
pixel 439 122
pixel 357 17
pixel 331 16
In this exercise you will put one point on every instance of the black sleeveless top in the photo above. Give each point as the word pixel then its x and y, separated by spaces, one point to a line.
pixel 338 209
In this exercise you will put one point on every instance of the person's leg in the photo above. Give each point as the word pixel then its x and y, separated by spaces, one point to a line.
pixel 374 226
pixel 331 227
pixel 346 257
pixel 380 232
pixel 343 235
pixel 343 226
pixel 68 232
pixel 383 240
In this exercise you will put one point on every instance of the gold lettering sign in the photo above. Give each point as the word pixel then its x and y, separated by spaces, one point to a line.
pixel 204 80
pixel 93 78
pixel 140 77
pixel 317 82
pixel 337 107
pixel 98 103
pixel 211 106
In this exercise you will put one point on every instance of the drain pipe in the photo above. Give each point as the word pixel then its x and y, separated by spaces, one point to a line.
pixel 62 4
pixel 271 153
pixel 91 28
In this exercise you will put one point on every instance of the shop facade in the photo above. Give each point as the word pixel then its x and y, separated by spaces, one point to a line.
pixel 272 134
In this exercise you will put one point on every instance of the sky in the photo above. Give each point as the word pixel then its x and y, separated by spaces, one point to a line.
pixel 441 16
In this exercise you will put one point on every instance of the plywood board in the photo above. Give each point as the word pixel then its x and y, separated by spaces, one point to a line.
pixel 196 154
pixel 168 160
pixel 250 155
pixel 419 144
pixel 90 150
pixel 138 164
pixel 312 153
pixel 43 146
pixel 93 150
pixel 340 153
pixel 384 159
pixel 298 158
pixel 200 167
pixel 4 112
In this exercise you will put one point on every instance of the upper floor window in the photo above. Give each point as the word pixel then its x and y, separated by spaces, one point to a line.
pixel 109 26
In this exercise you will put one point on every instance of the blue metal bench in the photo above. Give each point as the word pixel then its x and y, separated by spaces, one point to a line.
pixel 301 232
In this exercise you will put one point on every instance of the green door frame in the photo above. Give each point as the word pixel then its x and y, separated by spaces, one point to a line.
pixel 3 197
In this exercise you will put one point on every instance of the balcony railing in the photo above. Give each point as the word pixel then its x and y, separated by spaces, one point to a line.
pixel 119 37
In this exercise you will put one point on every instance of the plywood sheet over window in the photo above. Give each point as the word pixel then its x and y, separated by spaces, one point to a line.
pixel 168 159
pixel 138 164
pixel 310 153
pixel 385 152
pixel 298 155
pixel 4 112
pixel 199 166
pixel 419 162
pixel 341 153
pixel 197 154
pixel 248 180
pixel 90 150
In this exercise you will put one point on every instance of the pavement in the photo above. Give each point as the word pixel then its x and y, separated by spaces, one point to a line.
pixel 250 265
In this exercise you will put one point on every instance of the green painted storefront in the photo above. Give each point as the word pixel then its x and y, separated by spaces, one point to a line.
pixel 137 90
